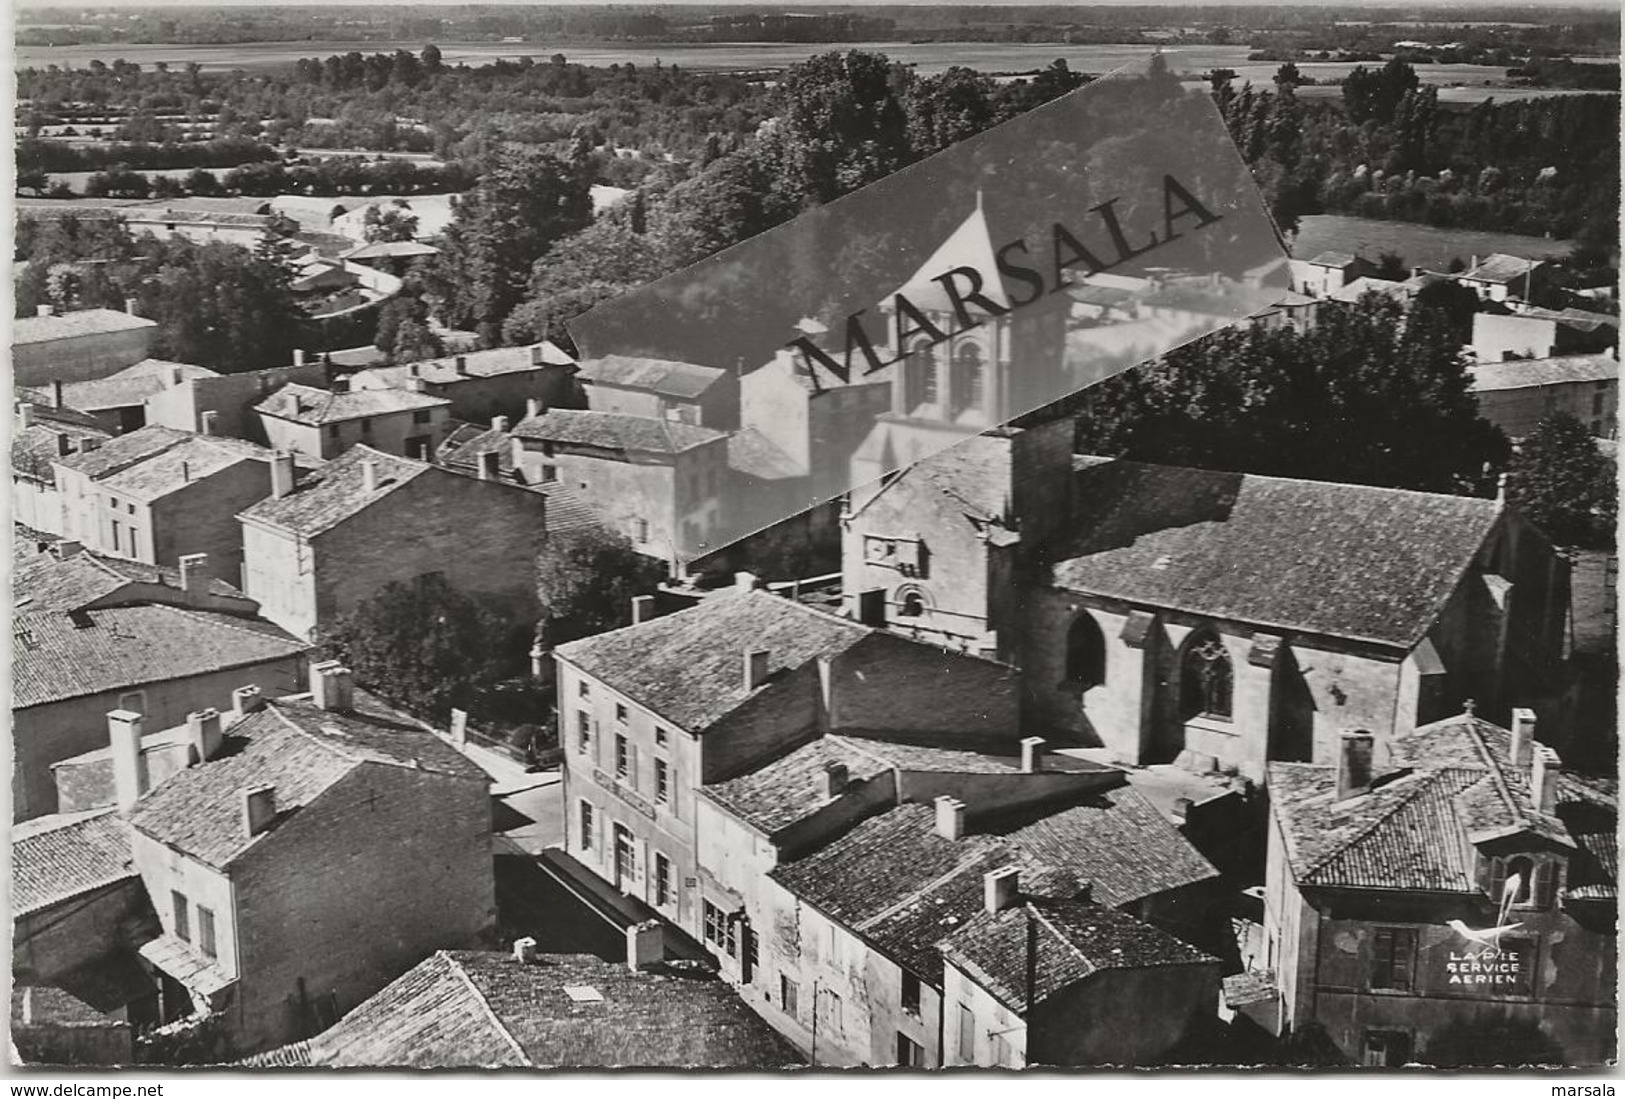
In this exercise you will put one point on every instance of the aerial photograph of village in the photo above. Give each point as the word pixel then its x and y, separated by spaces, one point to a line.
pixel 880 536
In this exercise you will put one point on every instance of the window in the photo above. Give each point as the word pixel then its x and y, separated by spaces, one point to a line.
pixel 912 603
pixel 967 1035
pixel 662 782
pixel 911 992
pixel 205 932
pixel 753 952
pixel 1085 652
pixel 586 826
pixel 584 689
pixel 830 1002
pixel 909 1052
pixel 1003 1055
pixel 1387 1048
pixel 719 930
pixel 1204 678
pixel 623 757
pixel 620 712
pixel 583 732
pixel 966 391
pixel 1518 883
pixel 661 737
pixel 421 416
pixel 1393 955
pixel 550 474
pixel 663 894
pixel 183 922
pixel 920 376
pixel 640 529
pixel 789 997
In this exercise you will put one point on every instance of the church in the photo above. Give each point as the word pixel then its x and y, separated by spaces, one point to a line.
pixel 1218 620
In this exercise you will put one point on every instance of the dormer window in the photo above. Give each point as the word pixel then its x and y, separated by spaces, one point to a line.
pixel 1526 881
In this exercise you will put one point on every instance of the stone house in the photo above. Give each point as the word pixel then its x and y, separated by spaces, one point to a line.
pixel 1217 619
pixel 663 390
pixel 293 868
pixel 480 385
pixel 117 402
pixel 158 495
pixel 650 713
pixel 223 404
pixel 77 346
pixel 820 429
pixel 1383 866
pixel 313 550
pixel 1518 394
pixel 1499 277
pixel 1542 334
pixel 41 434
pixel 69 668
pixel 319 423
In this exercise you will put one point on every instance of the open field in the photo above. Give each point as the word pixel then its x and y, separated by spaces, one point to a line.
pixel 1421 245
pixel 1461 83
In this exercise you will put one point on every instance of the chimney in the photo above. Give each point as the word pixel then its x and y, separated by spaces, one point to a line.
pixel 64 446
pixel 203 733
pixel 999 888
pixel 950 817
pixel 415 370
pixel 458 729
pixel 195 577
pixel 209 422
pixel 341 384
pixel 176 376
pixel 259 809
pixel 299 356
pixel 538 355
pixel 1354 764
pixel 66 548
pixel 281 473
pixel 643 608
pixel 533 408
pixel 129 765
pixel 1032 754
pixel 756 667
pixel 246 700
pixel 835 779
pixel 460 364
pixel 186 471
pixel 524 951
pixel 369 476
pixel 25 415
pixel 332 686
pixel 1181 813
pixel 490 466
pixel 645 944
pixel 417 385
pixel 1543 779
pixel 56 393
pixel 499 423
pixel 88 444
pixel 745 581
pixel 130 306
pixel 1523 737
pixel 44 309
pixel 538 661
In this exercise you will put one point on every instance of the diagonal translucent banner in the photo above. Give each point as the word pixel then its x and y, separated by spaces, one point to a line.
pixel 994 278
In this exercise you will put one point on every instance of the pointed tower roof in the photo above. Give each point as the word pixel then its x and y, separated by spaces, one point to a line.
pixel 970 245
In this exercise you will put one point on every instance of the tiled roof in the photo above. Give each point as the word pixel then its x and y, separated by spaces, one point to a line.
pixel 791 787
pixel 1334 259
pixel 567 508
pixel 391 249
pixel 754 454
pixel 1499 267
pixel 329 495
pixel 477 364
pixel 84 322
pixel 467 1009
pixel 1360 287
pixel 1075 940
pixel 124 450
pixel 296 747
pixel 306 404
pixel 1453 783
pixel 131 385
pixel 896 881
pixel 615 431
pixel 1350 561
pixel 190 460
pixel 1526 373
pixel 42 582
pixel 169 215
pixel 671 379
pixel 35 448
pixel 60 656
pixel 688 667
pixel 56 857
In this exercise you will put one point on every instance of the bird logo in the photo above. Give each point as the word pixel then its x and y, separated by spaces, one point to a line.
pixel 1490 937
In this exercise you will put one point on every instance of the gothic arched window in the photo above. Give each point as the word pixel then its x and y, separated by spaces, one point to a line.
pixel 1204 677
pixel 968 379
pixel 1085 652
pixel 911 603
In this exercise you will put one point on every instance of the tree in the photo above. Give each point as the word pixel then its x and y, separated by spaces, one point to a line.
pixel 426 646
pixel 415 341
pixel 842 125
pixel 585 580
pixel 387 224
pixel 520 207
pixel 1371 395
pixel 1563 483
pixel 219 305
